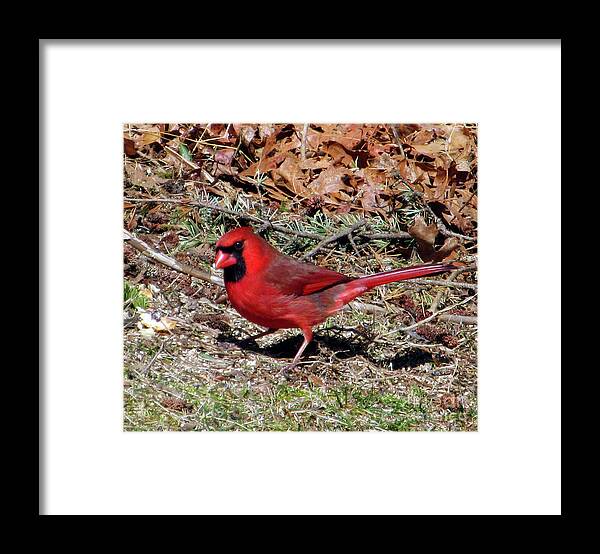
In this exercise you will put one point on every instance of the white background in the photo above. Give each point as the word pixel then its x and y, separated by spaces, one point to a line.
pixel 511 465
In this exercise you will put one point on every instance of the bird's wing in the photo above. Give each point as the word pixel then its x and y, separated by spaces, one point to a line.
pixel 293 277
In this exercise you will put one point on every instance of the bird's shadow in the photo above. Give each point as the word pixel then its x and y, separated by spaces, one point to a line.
pixel 344 348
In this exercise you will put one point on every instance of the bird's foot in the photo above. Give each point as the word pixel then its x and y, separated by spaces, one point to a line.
pixel 288 371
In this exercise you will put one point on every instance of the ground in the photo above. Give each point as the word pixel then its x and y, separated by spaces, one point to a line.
pixel 404 358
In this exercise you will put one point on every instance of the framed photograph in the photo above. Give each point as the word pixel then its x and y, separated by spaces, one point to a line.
pixel 285 263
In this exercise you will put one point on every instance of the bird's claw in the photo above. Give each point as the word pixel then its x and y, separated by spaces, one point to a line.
pixel 288 371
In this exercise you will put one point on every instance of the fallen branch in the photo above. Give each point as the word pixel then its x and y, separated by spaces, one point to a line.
pixel 464 319
pixel 436 301
pixel 436 314
pixel 333 238
pixel 442 283
pixel 402 235
pixel 151 252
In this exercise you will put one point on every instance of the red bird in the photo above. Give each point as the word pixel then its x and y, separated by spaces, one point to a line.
pixel 278 292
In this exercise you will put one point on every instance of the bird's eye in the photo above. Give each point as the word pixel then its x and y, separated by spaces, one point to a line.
pixel 238 245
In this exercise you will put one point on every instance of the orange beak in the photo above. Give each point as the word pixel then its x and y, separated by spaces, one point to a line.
pixel 224 260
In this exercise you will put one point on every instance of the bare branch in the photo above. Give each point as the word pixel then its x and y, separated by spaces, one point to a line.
pixel 433 316
pixel 455 318
pixel 442 283
pixel 333 238
pixel 151 252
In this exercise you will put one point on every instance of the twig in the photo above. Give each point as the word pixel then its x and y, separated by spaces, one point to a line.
pixel 451 278
pixel 181 158
pixel 303 143
pixel 147 367
pixel 433 316
pixel 438 296
pixel 398 141
pixel 332 238
pixel 353 245
pixel 440 282
pixel 454 318
pixel 151 252
pixel 386 236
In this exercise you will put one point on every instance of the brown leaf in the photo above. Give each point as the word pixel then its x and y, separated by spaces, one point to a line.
pixel 461 143
pixel 150 136
pixel 422 232
pixel 315 380
pixel 440 183
pixel 291 177
pixel 407 170
pixel 129 144
pixel 425 236
pixel 451 402
pixel 176 404
pixel 246 133
pixel 423 136
pixel 314 163
pixel 224 155
pixel 431 150
pixel 330 180
pixel 459 215
pixel 447 250
pixel 349 136
pixel 136 175
pixel 265 131
pixel 338 153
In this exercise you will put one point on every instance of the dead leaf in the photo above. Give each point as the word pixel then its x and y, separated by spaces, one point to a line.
pixel 450 401
pixel 330 180
pixel 422 136
pixel 150 320
pixel 315 380
pixel 140 177
pixel 338 153
pixel 314 163
pixel 349 136
pixel 423 232
pixel 150 136
pixel 425 236
pixel 293 176
pixel 176 404
pixel 129 145
pixel 440 183
pixel 246 133
pixel 431 150
pixel 224 156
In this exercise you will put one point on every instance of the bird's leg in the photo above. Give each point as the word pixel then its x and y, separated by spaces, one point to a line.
pixel 308 335
pixel 254 337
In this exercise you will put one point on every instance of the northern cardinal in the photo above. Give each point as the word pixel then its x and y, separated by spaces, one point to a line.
pixel 278 292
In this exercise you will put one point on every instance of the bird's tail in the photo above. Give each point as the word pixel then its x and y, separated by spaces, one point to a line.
pixel 394 275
